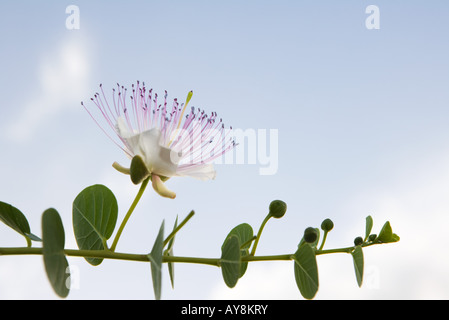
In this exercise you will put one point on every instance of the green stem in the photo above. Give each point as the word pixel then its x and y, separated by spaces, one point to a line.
pixel 108 254
pixel 343 250
pixel 280 257
pixel 28 242
pixel 324 239
pixel 256 242
pixel 207 261
pixel 173 233
pixel 247 243
pixel 128 214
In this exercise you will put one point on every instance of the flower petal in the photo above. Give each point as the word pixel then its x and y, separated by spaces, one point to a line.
pixel 122 129
pixel 157 158
pixel 130 140
pixel 160 187
pixel 200 171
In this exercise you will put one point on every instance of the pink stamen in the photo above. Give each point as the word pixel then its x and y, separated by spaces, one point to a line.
pixel 202 138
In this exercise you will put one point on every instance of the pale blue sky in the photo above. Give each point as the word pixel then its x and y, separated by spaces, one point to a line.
pixel 362 117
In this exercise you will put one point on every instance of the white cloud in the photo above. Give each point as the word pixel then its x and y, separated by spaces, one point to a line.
pixel 62 80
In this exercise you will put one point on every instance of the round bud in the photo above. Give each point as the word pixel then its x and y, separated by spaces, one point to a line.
pixel 327 225
pixel 358 241
pixel 372 237
pixel 277 209
pixel 310 235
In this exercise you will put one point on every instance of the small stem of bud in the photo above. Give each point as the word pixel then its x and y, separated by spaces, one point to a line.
pixel 171 235
pixel 256 242
pixel 324 239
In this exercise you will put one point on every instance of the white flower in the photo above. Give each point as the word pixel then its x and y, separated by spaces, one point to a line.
pixel 169 143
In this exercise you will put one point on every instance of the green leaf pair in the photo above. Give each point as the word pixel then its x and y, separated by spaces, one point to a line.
pixel 94 218
pixel 95 212
pixel 155 258
pixel 157 254
pixel 236 246
pixel 386 235
pixel 53 241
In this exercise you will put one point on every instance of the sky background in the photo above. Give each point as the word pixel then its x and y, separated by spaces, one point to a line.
pixel 362 119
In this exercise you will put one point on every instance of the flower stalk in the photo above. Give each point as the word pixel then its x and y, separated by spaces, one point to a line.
pixel 128 214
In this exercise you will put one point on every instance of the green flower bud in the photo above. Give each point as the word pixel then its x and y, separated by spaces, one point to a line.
pixel 310 235
pixel 372 237
pixel 327 225
pixel 358 241
pixel 277 209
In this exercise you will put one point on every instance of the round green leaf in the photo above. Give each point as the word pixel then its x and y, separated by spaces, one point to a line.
pixel 244 233
pixel 95 213
pixel 306 271
pixel 53 241
pixel 230 261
